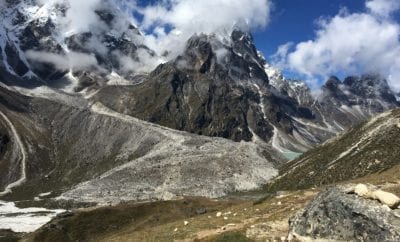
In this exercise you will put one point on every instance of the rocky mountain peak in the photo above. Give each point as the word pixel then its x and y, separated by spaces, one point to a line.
pixel 41 44
pixel 370 90
pixel 332 83
pixel 235 57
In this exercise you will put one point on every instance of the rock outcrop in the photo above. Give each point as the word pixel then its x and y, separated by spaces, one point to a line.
pixel 339 214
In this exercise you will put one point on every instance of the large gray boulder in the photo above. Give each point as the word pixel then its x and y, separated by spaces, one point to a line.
pixel 339 215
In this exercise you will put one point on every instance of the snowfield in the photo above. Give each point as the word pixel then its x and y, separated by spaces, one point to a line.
pixel 24 220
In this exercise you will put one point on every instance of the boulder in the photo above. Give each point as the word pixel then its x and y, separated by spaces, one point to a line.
pixel 386 198
pixel 361 190
pixel 389 199
pixel 337 215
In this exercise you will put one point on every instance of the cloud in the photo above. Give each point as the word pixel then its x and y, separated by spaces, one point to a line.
pixel 170 23
pixel 350 43
pixel 71 61
pixel 383 8
pixel 3 3
pixel 165 25
pixel 143 64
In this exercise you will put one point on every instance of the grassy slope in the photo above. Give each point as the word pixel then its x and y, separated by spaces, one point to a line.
pixel 377 152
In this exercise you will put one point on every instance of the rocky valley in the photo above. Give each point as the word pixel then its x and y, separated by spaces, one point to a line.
pixel 105 138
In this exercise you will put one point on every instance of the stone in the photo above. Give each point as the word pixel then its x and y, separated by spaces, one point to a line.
pixel 185 223
pixel 219 214
pixel 386 198
pixel 338 216
pixel 361 190
pixel 201 210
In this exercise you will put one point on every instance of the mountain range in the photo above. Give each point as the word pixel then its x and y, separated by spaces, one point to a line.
pixel 89 105
pixel 90 115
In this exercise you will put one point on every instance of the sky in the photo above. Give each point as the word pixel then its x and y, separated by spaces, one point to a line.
pixel 294 21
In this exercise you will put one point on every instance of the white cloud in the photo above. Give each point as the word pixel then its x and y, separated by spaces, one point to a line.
pixel 166 25
pixel 143 64
pixel 71 61
pixel 383 7
pixel 81 16
pixel 352 44
pixel 187 17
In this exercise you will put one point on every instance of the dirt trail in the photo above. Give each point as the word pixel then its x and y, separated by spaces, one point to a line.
pixel 22 149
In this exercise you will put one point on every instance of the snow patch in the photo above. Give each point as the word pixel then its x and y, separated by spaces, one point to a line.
pixel 261 104
pixel 24 220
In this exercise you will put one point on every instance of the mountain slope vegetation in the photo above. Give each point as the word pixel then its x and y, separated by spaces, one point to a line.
pixel 367 148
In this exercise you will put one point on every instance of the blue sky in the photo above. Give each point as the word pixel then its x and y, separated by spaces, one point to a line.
pixel 294 21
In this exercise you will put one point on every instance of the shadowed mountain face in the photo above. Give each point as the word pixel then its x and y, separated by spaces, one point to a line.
pixel 220 88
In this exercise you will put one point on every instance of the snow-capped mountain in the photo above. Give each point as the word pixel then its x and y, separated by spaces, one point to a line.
pixel 219 86
pixel 88 112
pixel 225 88
pixel 40 44
pixel 243 97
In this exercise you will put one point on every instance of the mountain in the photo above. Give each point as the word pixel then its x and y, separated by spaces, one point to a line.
pixel 233 98
pixel 90 115
pixel 89 98
pixel 220 86
pixel 38 49
pixel 87 152
pixel 367 148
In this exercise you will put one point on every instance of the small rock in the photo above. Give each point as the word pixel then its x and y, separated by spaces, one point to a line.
pixel 52 226
pixel 186 223
pixel 176 229
pixel 386 198
pixel 231 225
pixel 200 211
pixel 235 214
pixel 225 218
pixel 361 190
pixel 65 214
pixel 279 203
pixel 219 214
